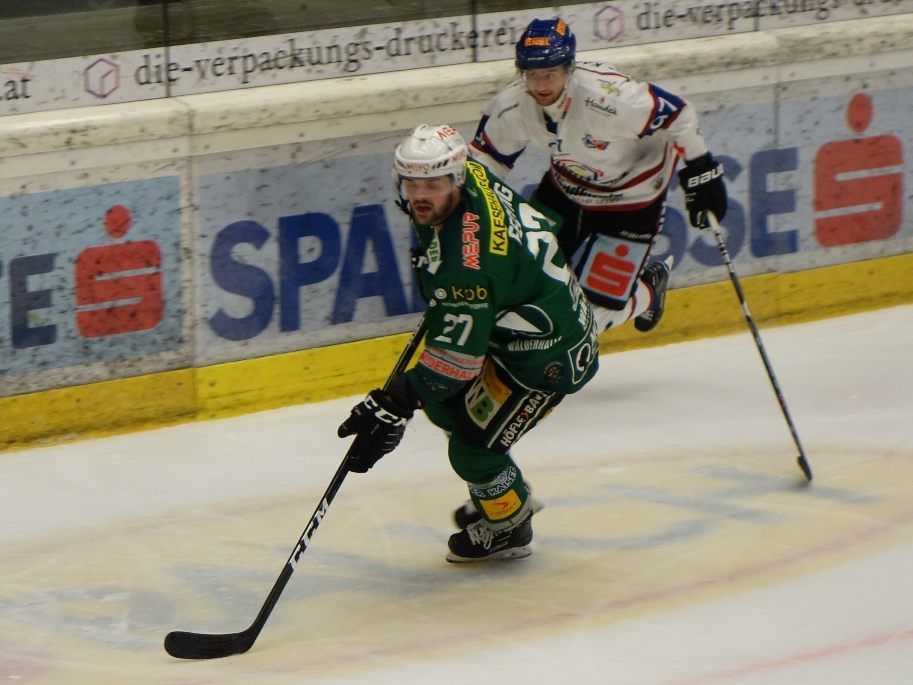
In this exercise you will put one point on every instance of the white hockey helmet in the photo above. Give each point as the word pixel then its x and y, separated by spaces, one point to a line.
pixel 431 151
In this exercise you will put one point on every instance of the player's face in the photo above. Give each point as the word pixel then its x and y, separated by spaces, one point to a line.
pixel 432 199
pixel 546 85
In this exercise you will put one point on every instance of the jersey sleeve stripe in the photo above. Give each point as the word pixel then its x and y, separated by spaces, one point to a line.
pixel 482 143
pixel 666 108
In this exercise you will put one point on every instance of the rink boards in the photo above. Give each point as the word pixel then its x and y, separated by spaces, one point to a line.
pixel 215 254
pixel 316 374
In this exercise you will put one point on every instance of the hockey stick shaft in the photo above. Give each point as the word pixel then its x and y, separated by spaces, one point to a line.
pixel 186 645
pixel 717 232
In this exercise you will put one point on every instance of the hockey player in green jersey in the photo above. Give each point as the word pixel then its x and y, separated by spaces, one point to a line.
pixel 509 334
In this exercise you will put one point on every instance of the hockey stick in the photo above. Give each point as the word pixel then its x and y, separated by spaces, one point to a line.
pixel 801 459
pixel 185 645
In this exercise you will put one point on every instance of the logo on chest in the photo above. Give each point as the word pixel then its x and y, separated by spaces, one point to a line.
pixel 594 143
pixel 578 171
pixel 600 105
pixel 470 240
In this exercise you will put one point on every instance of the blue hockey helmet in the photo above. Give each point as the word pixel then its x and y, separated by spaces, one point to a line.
pixel 546 43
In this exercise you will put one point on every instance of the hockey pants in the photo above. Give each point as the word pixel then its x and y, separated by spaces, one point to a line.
pixel 483 421
pixel 607 250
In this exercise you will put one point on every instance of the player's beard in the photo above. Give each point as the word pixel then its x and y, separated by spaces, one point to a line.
pixel 428 214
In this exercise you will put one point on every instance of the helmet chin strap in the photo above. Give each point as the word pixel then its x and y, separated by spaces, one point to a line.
pixel 403 204
pixel 401 200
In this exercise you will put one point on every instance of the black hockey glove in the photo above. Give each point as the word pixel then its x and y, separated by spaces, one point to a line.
pixel 702 182
pixel 378 423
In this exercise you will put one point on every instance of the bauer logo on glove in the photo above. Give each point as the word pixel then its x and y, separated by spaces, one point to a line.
pixel 705 191
pixel 705 177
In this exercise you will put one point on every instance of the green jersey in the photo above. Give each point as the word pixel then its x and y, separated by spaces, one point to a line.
pixel 497 285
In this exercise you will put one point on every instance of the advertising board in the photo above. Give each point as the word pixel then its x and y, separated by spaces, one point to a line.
pixel 308 247
pixel 89 275
pixel 187 69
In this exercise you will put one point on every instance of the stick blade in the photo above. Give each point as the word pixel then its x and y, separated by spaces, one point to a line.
pixel 184 645
pixel 804 465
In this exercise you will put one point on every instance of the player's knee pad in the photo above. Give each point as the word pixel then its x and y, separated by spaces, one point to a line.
pixel 607 268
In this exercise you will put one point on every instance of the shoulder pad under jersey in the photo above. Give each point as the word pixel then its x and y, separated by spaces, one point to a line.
pixel 507 100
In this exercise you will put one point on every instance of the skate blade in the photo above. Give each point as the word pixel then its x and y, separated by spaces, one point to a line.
pixel 504 555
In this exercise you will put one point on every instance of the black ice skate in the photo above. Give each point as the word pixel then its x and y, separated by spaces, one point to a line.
pixel 478 542
pixel 467 514
pixel 656 277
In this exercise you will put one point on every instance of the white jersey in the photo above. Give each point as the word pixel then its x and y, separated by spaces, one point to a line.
pixel 613 141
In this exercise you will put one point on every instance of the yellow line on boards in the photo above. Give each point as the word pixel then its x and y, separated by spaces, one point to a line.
pixel 312 375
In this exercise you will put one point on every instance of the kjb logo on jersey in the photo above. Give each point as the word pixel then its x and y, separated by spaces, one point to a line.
pixel 473 293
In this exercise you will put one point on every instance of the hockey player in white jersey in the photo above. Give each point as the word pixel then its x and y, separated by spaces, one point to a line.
pixel 614 143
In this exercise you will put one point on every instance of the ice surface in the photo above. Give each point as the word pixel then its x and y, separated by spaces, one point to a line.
pixel 678 545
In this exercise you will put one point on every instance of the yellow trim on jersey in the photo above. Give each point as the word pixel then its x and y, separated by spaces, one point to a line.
pixel 497 240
